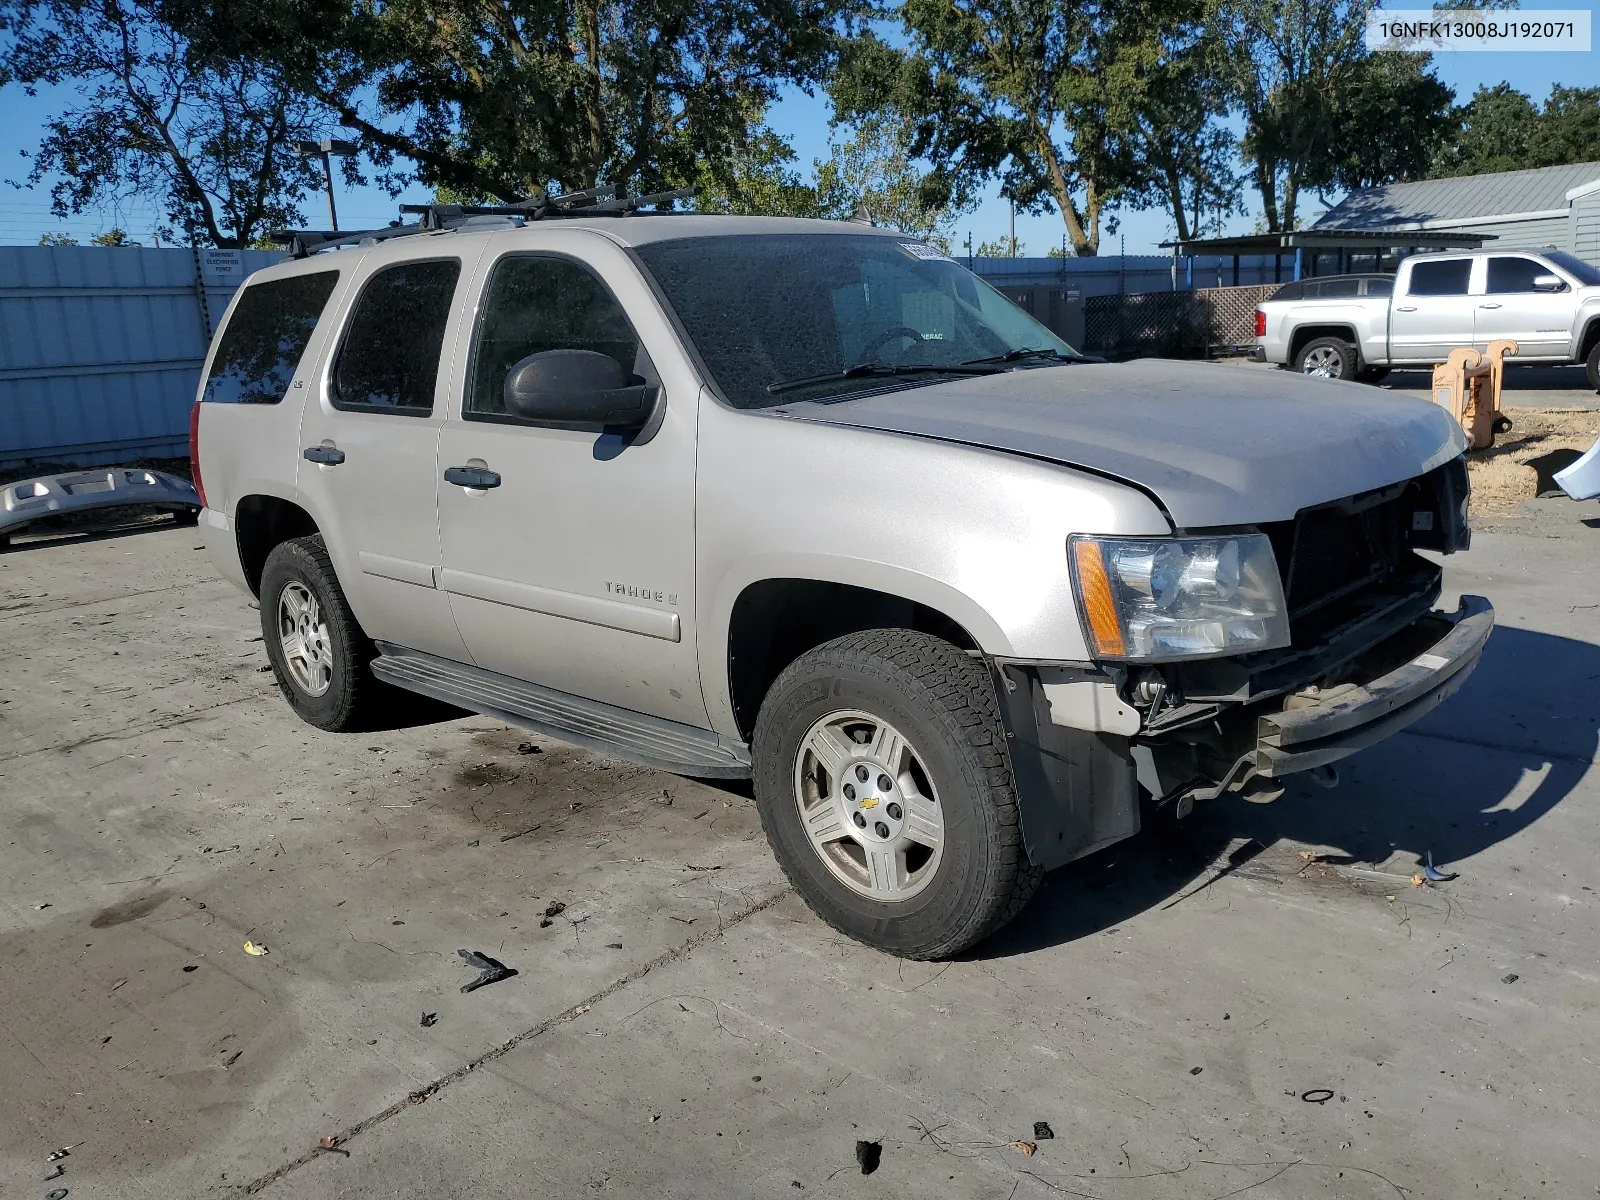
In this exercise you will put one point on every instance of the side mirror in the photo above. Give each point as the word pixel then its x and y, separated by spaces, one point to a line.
pixel 576 387
pixel 1549 283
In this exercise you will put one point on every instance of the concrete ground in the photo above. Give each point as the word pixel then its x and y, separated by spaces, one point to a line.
pixel 1526 387
pixel 1208 1016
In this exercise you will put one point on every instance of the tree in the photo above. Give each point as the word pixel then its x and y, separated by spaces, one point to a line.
pixel 1287 61
pixel 872 172
pixel 1041 94
pixel 1501 129
pixel 210 140
pixel 1183 153
pixel 500 98
pixel 1384 126
pixel 1006 247
pixel 758 180
pixel 57 239
pixel 112 237
pixel 1495 134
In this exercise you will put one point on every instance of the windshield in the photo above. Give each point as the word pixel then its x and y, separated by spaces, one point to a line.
pixel 765 310
pixel 1581 271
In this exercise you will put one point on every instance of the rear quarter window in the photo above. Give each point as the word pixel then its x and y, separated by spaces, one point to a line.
pixel 266 336
pixel 1380 287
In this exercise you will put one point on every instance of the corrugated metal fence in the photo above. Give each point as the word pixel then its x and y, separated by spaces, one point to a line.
pixel 101 347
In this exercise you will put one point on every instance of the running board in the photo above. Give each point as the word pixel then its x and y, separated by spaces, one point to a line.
pixel 603 728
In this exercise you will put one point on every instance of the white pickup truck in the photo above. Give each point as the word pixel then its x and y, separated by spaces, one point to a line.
pixel 1359 326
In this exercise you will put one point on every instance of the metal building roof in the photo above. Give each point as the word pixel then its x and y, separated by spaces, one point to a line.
pixel 1442 203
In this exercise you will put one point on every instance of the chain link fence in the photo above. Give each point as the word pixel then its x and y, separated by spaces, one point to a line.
pixel 1193 324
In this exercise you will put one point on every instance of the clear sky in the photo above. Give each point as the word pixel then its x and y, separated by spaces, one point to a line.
pixel 803 119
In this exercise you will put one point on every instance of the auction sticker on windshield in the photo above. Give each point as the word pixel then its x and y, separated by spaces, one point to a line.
pixel 924 251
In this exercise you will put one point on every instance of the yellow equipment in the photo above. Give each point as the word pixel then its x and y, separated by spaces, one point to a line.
pixel 1467 385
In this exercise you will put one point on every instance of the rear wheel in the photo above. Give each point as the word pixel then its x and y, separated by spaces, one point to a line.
pixel 318 651
pixel 1327 358
pixel 1592 366
pixel 885 790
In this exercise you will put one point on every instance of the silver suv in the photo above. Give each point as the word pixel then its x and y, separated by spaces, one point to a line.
pixel 807 502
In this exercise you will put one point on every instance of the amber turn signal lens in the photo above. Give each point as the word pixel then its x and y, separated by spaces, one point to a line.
pixel 1098 603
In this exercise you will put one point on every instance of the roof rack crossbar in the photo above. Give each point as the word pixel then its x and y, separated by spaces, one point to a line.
pixel 433 218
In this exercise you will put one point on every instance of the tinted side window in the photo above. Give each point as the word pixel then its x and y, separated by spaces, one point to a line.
pixel 265 338
pixel 1340 287
pixel 1380 287
pixel 390 356
pixel 1447 278
pixel 1514 274
pixel 536 303
pixel 1290 291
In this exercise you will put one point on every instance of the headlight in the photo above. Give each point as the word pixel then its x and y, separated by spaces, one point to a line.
pixel 1172 598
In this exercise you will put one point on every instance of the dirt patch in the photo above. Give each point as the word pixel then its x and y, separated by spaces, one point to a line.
pixel 1510 472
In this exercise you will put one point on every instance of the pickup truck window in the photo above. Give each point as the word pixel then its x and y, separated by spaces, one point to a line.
pixel 1447 278
pixel 1381 287
pixel 266 337
pixel 764 309
pixel 1513 275
pixel 535 303
pixel 389 361
pixel 1586 274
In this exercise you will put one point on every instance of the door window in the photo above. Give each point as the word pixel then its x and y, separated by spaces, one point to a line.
pixel 389 361
pixel 1514 274
pixel 535 303
pixel 1448 278
pixel 265 338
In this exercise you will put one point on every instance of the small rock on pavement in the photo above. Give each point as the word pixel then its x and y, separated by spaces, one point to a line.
pixel 1511 978
pixel 1042 1131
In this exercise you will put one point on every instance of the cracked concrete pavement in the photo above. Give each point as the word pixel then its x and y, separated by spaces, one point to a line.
pixel 683 1026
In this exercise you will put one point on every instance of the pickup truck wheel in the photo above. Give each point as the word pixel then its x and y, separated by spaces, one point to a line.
pixel 319 653
pixel 1327 358
pixel 883 784
pixel 1592 366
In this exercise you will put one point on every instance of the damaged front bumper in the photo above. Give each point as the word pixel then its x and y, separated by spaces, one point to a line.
pixel 1350 719
pixel 1079 782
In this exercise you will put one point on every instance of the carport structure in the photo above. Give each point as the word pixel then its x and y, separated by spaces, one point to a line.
pixel 1313 251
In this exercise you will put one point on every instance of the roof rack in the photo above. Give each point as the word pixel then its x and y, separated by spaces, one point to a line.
pixel 436 218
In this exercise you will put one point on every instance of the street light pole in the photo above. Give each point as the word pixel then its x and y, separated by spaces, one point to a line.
pixel 325 149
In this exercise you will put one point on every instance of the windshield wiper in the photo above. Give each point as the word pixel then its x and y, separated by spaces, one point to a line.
pixel 1011 356
pixel 875 369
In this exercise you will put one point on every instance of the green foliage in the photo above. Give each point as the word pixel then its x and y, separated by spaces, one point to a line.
pixel 1501 129
pixel 872 173
pixel 210 140
pixel 499 98
pixel 57 239
pixel 113 237
pixel 1041 94
pixel 756 181
pixel 1003 248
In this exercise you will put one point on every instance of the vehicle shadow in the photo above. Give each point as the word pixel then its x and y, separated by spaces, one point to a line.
pixel 1517 739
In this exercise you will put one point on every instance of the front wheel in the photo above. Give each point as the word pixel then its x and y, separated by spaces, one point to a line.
pixel 1328 358
pixel 885 789
pixel 1592 366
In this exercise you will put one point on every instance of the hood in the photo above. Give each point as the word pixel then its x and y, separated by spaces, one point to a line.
pixel 1216 444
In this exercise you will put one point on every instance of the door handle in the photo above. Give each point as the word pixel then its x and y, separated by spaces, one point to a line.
pixel 327 456
pixel 1407 308
pixel 472 477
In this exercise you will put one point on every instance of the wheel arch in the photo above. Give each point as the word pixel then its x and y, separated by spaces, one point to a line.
pixel 262 522
pixel 1306 334
pixel 771 617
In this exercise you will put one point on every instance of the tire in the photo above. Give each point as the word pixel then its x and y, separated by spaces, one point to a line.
pixel 951 770
pixel 1328 358
pixel 1592 365
pixel 186 516
pixel 330 687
